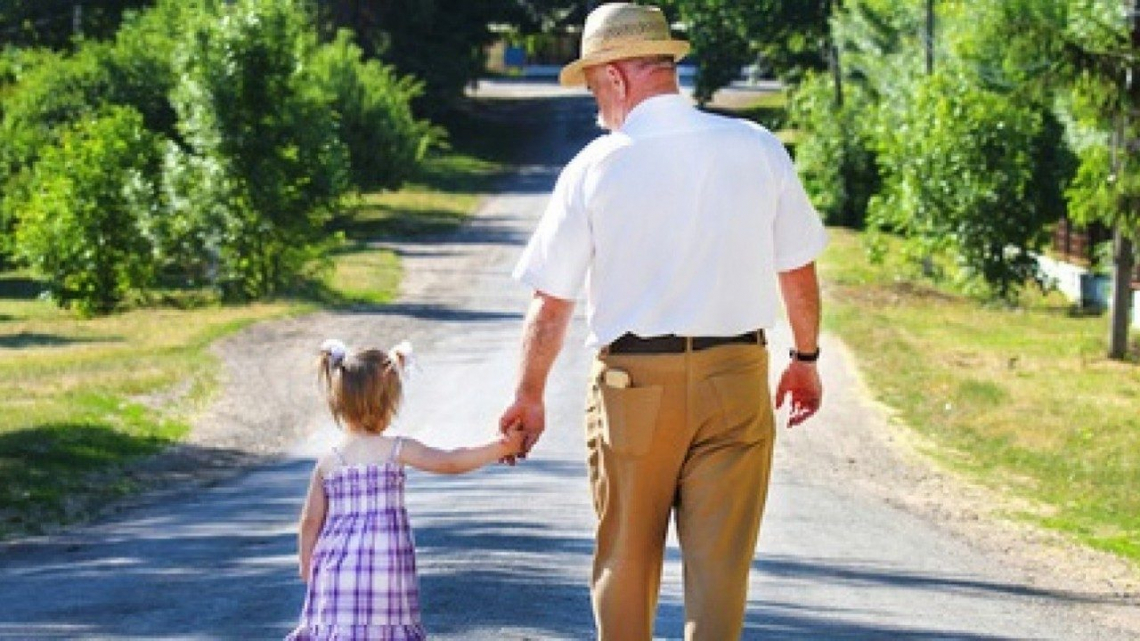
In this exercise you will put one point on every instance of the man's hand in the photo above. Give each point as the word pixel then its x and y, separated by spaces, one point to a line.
pixel 530 416
pixel 801 382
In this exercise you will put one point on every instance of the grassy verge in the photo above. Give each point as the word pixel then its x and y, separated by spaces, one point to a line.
pixel 82 398
pixel 1022 400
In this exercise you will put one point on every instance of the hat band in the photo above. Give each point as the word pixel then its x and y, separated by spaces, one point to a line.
pixel 600 46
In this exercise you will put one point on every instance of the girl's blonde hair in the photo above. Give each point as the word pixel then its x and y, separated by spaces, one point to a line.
pixel 363 388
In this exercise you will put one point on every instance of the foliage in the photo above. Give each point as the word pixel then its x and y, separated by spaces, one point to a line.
pixel 263 164
pixel 50 91
pixel 788 37
pixel 440 42
pixel 835 154
pixel 52 23
pixel 373 108
pixel 83 219
pixel 1078 52
pixel 966 170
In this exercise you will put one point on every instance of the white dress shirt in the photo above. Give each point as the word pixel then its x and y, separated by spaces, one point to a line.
pixel 677 223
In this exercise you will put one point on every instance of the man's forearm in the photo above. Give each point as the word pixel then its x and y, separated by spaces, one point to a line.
pixel 800 288
pixel 543 334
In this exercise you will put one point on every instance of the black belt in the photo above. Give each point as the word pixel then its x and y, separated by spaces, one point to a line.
pixel 631 344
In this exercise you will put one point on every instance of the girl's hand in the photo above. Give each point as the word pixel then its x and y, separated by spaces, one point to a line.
pixel 513 439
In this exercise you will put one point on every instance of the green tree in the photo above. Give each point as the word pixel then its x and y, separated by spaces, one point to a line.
pixel 55 23
pixel 966 171
pixel 440 42
pixel 84 219
pixel 1087 54
pixel 788 36
pixel 263 165
pixel 374 117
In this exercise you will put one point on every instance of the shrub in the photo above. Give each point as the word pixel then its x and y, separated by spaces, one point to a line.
pixel 262 165
pixel 373 108
pixel 835 151
pixel 83 219
pixel 977 172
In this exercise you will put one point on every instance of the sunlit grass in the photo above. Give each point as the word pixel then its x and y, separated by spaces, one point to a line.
pixel 1022 399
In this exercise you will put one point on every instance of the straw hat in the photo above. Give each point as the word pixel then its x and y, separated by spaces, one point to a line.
pixel 622 30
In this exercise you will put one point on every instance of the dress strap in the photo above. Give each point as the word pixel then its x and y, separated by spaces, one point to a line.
pixel 339 456
pixel 394 455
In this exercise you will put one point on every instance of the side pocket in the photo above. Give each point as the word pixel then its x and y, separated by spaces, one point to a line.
pixel 630 418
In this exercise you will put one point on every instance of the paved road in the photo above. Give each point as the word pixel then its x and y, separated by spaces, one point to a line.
pixel 505 553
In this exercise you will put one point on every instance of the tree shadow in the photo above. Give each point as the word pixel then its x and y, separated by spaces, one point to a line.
pixel 15 287
pixel 21 340
pixel 190 559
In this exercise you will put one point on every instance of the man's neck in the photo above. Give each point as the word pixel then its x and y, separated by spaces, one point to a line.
pixel 640 96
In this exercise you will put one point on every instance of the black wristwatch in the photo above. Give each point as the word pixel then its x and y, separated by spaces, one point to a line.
pixel 804 357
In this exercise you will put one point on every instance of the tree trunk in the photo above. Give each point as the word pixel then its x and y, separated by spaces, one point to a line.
pixel 1124 262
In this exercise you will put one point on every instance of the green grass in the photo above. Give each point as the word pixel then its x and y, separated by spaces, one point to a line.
pixel 81 398
pixel 1021 399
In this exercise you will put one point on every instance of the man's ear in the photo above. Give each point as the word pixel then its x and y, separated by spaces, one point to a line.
pixel 615 78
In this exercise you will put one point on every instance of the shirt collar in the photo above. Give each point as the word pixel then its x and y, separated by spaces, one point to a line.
pixel 649 113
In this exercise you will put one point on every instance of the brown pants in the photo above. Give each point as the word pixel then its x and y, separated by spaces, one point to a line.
pixel 691 433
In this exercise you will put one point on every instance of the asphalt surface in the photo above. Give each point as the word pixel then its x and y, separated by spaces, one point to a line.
pixel 504 553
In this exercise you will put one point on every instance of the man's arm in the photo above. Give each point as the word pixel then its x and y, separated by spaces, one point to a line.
pixel 543 333
pixel 800 288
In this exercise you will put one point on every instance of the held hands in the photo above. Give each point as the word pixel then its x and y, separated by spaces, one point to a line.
pixel 527 416
pixel 801 382
pixel 511 441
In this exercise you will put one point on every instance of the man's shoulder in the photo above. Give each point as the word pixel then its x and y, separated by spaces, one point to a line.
pixel 598 150
pixel 743 125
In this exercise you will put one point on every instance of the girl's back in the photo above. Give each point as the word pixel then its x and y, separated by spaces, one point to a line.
pixel 363 583
pixel 354 541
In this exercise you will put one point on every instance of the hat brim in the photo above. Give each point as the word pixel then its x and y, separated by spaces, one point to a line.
pixel 573 74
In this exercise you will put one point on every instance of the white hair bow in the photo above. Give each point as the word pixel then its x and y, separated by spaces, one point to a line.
pixel 404 358
pixel 336 350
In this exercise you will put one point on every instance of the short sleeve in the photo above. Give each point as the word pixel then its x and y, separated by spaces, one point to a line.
pixel 557 257
pixel 799 233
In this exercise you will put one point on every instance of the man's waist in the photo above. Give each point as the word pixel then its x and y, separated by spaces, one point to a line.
pixel 673 344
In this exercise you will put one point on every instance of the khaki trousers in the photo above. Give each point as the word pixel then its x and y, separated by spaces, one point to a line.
pixel 690 434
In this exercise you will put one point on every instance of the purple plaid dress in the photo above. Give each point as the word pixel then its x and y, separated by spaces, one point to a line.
pixel 363 584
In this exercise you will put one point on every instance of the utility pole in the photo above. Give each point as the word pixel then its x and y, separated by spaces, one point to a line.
pixel 77 20
pixel 929 37
pixel 830 9
pixel 1123 249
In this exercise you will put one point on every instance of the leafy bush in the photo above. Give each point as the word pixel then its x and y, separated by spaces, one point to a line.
pixel 263 164
pixel 83 219
pixel 835 152
pixel 50 91
pixel 974 171
pixel 385 142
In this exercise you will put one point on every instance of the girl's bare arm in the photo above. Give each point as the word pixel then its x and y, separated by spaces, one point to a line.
pixel 312 519
pixel 462 459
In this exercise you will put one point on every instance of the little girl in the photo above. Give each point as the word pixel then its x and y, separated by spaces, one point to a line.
pixel 355 543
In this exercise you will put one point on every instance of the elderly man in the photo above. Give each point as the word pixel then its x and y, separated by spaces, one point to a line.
pixel 684 228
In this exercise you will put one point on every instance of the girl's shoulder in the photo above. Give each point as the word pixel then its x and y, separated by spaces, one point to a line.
pixel 354 451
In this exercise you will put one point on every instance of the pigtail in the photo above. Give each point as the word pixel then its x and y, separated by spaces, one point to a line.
pixel 329 364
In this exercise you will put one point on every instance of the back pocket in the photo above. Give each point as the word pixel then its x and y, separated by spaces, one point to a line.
pixel 630 418
pixel 745 403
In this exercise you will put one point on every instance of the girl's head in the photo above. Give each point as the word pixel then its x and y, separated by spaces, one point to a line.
pixel 364 389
